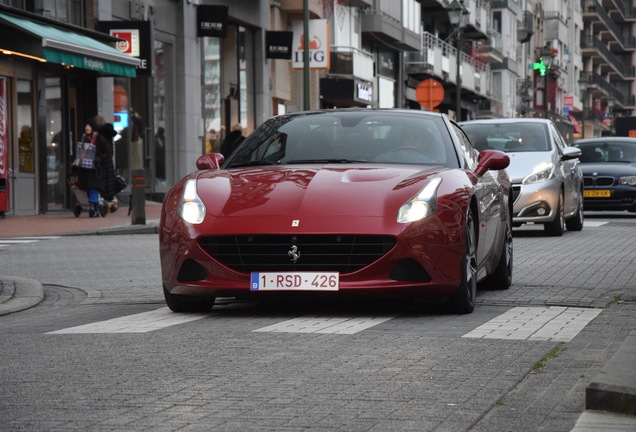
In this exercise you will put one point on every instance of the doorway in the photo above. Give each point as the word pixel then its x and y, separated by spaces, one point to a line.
pixel 24 162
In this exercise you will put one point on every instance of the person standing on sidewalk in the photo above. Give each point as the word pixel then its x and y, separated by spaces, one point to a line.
pixel 232 140
pixel 91 151
pixel 103 161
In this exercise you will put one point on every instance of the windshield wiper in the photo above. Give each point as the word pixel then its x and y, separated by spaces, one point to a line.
pixel 253 163
pixel 309 161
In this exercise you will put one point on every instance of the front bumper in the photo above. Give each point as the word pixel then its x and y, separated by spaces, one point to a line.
pixel 622 198
pixel 536 202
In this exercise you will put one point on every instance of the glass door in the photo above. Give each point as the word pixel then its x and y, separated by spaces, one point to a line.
pixel 25 152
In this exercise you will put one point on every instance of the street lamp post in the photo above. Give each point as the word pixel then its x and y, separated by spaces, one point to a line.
pixel 458 17
pixel 610 112
pixel 583 88
pixel 306 75
pixel 546 53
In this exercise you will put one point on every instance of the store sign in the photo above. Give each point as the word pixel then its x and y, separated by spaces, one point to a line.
pixel 212 21
pixel 318 43
pixel 364 92
pixel 131 44
pixel 136 41
pixel 568 100
pixel 278 44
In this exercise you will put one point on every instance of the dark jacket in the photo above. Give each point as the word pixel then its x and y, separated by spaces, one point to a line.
pixel 106 134
pixel 231 142
pixel 102 175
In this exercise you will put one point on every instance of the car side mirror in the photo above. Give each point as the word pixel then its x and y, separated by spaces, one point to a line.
pixel 212 161
pixel 571 153
pixel 491 160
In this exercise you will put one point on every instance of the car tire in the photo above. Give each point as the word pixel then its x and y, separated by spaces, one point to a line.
pixel 556 228
pixel 463 301
pixel 501 279
pixel 576 223
pixel 180 303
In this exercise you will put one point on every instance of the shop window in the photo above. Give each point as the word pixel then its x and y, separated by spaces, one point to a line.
pixel 67 11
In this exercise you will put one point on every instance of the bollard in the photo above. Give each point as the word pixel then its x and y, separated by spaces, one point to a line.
pixel 138 198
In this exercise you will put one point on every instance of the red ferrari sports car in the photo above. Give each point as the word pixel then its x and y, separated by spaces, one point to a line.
pixel 378 202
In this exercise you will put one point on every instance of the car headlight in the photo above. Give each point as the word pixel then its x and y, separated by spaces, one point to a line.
pixel 191 209
pixel 421 205
pixel 541 173
pixel 629 180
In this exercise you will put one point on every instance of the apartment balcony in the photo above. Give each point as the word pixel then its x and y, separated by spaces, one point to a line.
pixel 492 51
pixel 439 59
pixel 592 47
pixel 595 14
pixel 477 25
pixel 602 88
pixel 525 28
pixel 296 7
pixel 556 26
pixel 348 62
pixel 378 25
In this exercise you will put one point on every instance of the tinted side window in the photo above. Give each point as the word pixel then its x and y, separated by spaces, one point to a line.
pixel 469 153
pixel 558 139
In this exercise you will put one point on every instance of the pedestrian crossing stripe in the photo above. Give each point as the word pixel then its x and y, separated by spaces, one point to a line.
pixel 588 223
pixel 24 240
pixel 552 323
pixel 139 323
pixel 330 325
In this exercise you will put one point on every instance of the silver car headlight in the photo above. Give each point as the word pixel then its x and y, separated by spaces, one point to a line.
pixel 542 172
pixel 191 209
pixel 421 205
pixel 629 180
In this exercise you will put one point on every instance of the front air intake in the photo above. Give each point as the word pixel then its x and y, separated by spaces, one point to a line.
pixel 259 253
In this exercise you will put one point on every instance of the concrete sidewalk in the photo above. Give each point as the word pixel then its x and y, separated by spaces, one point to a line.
pixel 63 222
pixel 17 294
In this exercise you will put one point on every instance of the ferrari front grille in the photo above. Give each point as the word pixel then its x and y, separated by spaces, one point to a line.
pixel 280 253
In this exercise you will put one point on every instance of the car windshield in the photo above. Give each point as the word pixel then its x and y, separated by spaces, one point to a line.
pixel 604 151
pixel 508 137
pixel 348 137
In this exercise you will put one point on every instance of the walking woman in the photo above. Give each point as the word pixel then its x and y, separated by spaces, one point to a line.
pixel 91 150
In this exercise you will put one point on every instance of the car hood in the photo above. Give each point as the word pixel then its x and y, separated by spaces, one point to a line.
pixel 523 164
pixel 328 190
pixel 608 168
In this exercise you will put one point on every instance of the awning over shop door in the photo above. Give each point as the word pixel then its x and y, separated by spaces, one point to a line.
pixel 61 46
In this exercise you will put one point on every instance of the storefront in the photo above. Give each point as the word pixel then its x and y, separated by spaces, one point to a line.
pixel 49 78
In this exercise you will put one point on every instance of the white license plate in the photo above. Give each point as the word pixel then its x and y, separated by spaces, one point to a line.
pixel 295 281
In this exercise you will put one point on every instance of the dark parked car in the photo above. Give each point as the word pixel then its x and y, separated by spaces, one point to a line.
pixel 355 201
pixel 609 173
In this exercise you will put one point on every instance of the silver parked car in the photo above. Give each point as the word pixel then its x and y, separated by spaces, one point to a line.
pixel 545 173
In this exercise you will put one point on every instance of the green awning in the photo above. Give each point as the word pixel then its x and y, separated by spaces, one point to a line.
pixel 65 47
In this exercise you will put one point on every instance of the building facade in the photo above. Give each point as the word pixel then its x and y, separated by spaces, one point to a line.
pixel 184 73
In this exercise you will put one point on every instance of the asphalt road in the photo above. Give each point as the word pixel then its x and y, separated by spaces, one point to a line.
pixel 102 353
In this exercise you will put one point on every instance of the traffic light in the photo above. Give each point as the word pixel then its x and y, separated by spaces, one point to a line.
pixel 541 67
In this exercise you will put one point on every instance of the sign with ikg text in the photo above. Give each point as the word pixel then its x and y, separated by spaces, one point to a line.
pixel 318 44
